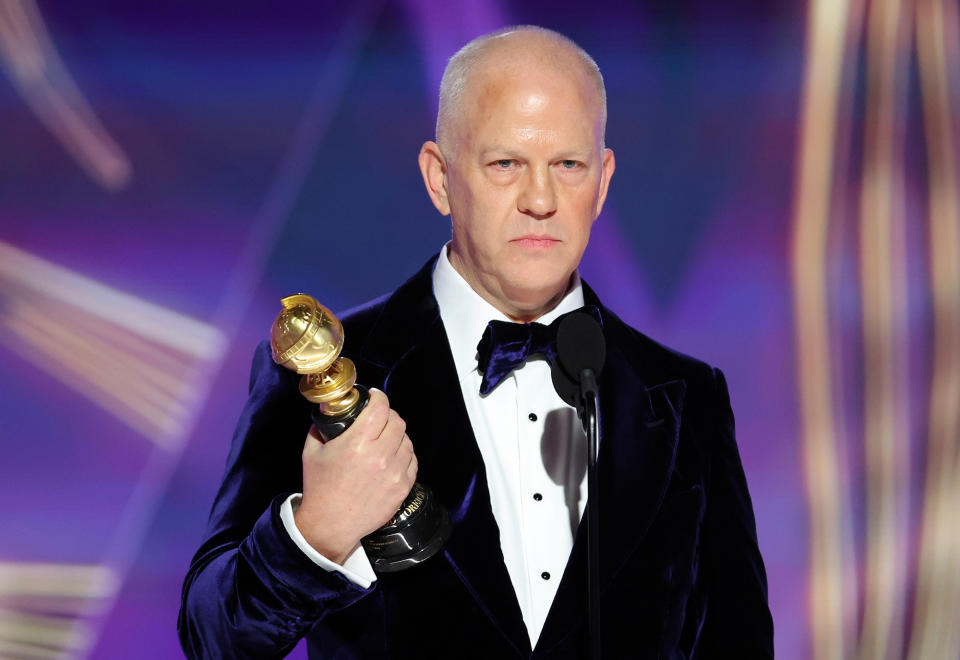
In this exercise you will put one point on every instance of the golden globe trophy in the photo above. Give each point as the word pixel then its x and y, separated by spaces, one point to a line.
pixel 307 338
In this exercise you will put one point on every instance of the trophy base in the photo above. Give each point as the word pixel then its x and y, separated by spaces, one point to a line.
pixel 418 531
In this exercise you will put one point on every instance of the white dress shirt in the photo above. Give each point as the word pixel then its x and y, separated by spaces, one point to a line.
pixel 532 445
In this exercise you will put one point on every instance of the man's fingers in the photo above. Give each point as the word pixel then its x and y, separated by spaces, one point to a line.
pixel 393 432
pixel 412 467
pixel 312 442
pixel 406 446
pixel 375 415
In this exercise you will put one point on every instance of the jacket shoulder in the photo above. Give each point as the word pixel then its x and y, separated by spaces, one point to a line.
pixel 656 362
pixel 359 321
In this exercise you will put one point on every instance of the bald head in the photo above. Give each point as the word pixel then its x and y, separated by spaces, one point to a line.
pixel 505 54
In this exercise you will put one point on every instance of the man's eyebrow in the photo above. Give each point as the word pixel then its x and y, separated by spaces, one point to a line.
pixel 574 155
pixel 504 152
pixel 498 150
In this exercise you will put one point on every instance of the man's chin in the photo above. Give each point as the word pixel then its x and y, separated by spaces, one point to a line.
pixel 529 303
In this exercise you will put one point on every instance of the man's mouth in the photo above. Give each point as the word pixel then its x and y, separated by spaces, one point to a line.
pixel 536 242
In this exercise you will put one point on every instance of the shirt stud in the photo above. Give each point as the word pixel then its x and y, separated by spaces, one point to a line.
pixel 537 497
pixel 532 417
pixel 545 575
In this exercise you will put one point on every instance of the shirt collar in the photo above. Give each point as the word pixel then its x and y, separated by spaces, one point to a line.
pixel 465 313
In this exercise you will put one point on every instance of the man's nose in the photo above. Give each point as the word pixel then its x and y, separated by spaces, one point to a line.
pixel 538 197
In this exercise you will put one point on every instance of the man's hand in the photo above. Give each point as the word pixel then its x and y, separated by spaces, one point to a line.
pixel 356 482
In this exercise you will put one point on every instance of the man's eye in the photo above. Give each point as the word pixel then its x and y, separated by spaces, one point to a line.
pixel 569 164
pixel 504 164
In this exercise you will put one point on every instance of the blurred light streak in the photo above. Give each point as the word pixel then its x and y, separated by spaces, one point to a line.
pixel 59 605
pixel 137 360
pixel 827 41
pixel 27 630
pixel 16 651
pixel 136 315
pixel 56 580
pixel 37 72
pixel 935 630
pixel 44 607
pixel 78 362
pixel 882 283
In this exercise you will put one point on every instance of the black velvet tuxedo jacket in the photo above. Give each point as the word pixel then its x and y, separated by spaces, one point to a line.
pixel 681 574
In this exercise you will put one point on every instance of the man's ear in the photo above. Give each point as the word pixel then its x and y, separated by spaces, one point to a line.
pixel 609 165
pixel 434 170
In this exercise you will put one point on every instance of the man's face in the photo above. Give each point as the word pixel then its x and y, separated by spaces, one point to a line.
pixel 527 179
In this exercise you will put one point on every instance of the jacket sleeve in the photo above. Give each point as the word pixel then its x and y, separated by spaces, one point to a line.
pixel 250 591
pixel 737 621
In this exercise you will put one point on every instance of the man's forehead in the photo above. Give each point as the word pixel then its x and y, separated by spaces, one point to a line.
pixel 527 87
pixel 501 67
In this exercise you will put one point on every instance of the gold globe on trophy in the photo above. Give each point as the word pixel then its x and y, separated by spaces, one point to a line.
pixel 307 338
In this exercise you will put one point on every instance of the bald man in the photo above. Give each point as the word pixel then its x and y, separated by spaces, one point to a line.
pixel 521 168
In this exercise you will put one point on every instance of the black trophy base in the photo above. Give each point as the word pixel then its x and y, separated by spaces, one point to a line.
pixel 418 530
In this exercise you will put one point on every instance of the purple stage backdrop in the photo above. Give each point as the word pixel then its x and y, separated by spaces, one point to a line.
pixel 784 207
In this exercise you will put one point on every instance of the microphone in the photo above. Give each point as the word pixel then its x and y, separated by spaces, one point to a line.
pixel 581 352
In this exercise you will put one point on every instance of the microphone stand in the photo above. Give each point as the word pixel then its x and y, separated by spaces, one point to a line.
pixel 590 417
pixel 581 351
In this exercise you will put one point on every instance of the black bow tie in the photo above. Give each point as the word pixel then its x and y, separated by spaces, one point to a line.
pixel 505 346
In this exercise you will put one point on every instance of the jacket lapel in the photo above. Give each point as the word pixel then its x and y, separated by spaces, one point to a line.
pixel 409 346
pixel 639 427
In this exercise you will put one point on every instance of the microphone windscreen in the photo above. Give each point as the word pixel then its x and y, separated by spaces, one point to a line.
pixel 565 386
pixel 580 345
